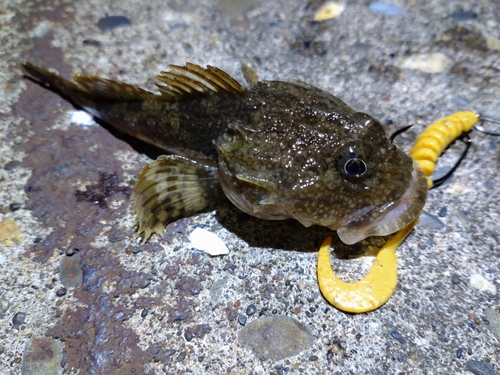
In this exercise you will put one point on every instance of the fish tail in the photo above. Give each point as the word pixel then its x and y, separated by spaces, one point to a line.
pixel 172 187
pixel 50 80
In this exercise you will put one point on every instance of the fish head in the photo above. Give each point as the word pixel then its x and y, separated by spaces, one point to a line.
pixel 336 171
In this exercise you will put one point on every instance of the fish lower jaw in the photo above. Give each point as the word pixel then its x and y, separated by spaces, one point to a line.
pixel 389 218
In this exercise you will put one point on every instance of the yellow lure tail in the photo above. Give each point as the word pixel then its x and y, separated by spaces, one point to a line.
pixel 378 285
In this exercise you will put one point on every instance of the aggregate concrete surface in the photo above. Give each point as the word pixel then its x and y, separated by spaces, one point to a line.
pixel 81 295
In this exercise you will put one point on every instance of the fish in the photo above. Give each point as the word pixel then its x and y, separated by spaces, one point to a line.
pixel 277 150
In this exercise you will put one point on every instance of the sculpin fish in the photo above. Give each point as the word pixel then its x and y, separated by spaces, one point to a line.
pixel 277 150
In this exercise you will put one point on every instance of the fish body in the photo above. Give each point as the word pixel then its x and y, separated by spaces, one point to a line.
pixel 277 150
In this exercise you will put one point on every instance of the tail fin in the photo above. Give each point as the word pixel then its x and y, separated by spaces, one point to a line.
pixel 50 80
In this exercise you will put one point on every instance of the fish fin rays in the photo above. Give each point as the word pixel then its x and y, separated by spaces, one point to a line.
pixel 191 81
pixel 110 90
pixel 250 75
pixel 180 83
pixel 172 187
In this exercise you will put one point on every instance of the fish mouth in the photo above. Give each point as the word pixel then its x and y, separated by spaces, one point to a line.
pixel 388 218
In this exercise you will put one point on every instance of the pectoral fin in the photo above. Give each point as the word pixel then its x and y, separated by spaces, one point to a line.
pixel 172 187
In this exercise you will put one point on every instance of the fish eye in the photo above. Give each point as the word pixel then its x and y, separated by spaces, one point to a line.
pixel 354 167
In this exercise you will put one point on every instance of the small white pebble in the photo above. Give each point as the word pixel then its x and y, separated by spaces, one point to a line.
pixel 479 282
pixel 328 11
pixel 429 62
pixel 208 242
pixel 493 43
pixel 456 190
pixel 82 118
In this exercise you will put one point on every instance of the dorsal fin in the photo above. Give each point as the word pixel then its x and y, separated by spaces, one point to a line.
pixel 109 89
pixel 186 82
pixel 250 75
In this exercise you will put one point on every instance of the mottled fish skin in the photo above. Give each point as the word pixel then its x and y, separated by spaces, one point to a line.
pixel 282 150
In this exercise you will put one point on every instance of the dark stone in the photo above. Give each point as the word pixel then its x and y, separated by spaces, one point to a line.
pixel 395 334
pixel 19 319
pixel 92 43
pixel 455 279
pixel 460 352
pixel 442 212
pixel 109 23
pixel 144 313
pixel 313 358
pixel 251 309
pixel 480 368
pixel 61 292
pixel 464 15
pixel 11 165
pixel 242 319
pixel 15 206
pixel 188 335
pixel 181 356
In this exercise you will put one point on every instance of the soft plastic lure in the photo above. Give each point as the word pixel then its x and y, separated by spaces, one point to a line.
pixel 378 285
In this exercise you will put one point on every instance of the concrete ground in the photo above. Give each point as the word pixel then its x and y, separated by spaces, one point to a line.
pixel 81 295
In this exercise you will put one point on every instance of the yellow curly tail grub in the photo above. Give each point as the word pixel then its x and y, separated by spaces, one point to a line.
pixel 378 285
pixel 374 289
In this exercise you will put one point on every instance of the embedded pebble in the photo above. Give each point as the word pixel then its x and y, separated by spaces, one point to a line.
pixel 15 206
pixel 251 309
pixel 10 234
pixel 208 242
pixel 455 279
pixel 464 15
pixel 12 165
pixel 237 7
pixel 275 338
pixel 493 43
pixel 4 306
pixel 479 282
pixel 61 292
pixel 242 319
pixel 387 9
pixel 112 22
pixel 428 62
pixel 395 334
pixel 82 118
pixel 19 318
pixel 456 190
pixel 42 356
pixel 70 271
pixel 328 11
pixel 493 317
pixel 480 368
pixel 442 212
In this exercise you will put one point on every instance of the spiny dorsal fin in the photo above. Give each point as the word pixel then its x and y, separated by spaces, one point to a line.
pixel 109 89
pixel 172 187
pixel 186 82
pixel 250 75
